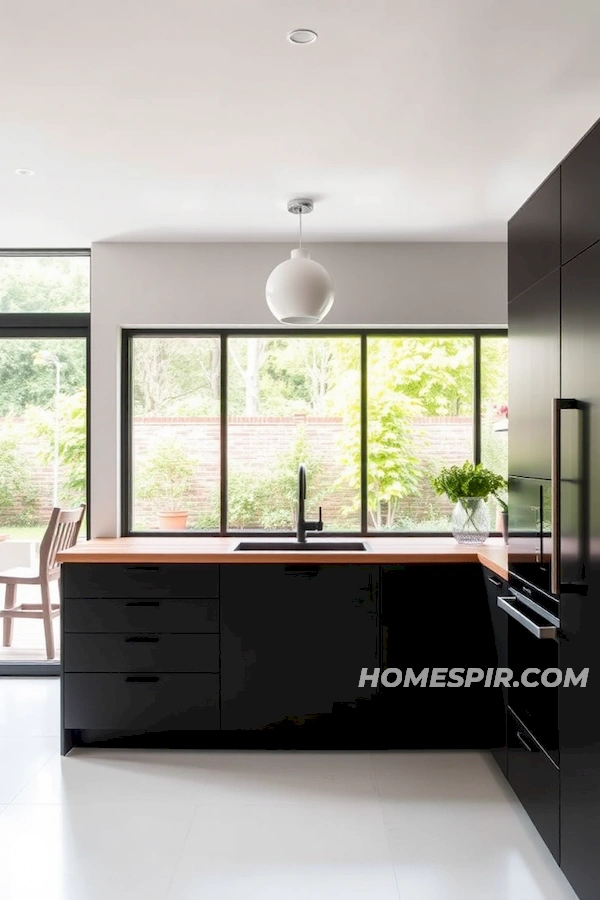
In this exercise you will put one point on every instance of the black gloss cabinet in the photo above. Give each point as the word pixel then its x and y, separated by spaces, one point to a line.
pixel 270 656
pixel 294 639
pixel 534 375
pixel 497 587
pixel 554 352
pixel 580 196
pixel 430 617
pixel 534 237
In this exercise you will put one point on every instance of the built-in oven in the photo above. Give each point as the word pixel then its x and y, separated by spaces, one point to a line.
pixel 533 622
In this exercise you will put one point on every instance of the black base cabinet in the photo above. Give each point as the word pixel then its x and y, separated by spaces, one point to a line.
pixel 294 639
pixel 535 779
pixel 246 655
pixel 497 587
pixel 437 617
pixel 140 654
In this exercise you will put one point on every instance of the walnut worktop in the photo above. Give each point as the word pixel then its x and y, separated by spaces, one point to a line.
pixel 220 550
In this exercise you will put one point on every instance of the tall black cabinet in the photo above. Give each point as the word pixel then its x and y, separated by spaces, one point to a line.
pixel 554 341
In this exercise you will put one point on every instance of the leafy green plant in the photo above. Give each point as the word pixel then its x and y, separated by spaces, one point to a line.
pixel 394 470
pixel 167 475
pixel 468 480
pixel 269 500
pixel 18 499
pixel 71 443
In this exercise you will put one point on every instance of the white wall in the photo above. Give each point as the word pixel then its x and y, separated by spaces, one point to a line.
pixel 443 284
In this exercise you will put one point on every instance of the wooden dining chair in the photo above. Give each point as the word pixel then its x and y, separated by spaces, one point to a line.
pixel 61 533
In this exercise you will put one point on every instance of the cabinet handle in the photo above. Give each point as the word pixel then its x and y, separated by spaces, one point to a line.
pixel 495 581
pixel 141 679
pixel 522 741
pixel 558 404
pixel 143 603
pixel 139 639
pixel 302 570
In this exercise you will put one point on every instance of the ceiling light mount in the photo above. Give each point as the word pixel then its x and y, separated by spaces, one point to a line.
pixel 300 207
pixel 24 172
pixel 302 36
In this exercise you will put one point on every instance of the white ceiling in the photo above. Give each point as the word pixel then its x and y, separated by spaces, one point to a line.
pixel 193 120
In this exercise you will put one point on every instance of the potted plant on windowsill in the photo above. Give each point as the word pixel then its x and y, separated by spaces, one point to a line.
pixel 468 487
pixel 167 478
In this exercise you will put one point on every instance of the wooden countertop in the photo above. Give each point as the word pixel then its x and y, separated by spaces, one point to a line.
pixel 220 550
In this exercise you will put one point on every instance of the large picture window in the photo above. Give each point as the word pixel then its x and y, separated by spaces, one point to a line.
pixel 216 423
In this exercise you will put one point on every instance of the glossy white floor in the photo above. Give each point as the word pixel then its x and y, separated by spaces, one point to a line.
pixel 110 825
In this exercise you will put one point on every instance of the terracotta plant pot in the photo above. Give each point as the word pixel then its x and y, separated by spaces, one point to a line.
pixel 172 521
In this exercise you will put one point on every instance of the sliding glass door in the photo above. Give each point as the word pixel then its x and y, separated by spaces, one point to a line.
pixel 43 429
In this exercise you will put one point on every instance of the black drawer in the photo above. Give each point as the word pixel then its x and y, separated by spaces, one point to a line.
pixel 142 581
pixel 535 781
pixel 141 653
pixel 141 702
pixel 117 615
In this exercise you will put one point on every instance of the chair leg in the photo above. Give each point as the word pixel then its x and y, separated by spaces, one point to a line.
pixel 9 602
pixel 47 616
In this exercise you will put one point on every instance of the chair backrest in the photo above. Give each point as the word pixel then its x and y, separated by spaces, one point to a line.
pixel 61 533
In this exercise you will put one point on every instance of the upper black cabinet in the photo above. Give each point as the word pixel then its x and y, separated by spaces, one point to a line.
pixel 534 375
pixel 581 196
pixel 534 237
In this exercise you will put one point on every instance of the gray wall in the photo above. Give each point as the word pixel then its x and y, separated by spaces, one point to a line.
pixel 385 284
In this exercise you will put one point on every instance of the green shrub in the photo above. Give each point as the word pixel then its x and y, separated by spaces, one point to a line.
pixel 167 476
pixel 18 499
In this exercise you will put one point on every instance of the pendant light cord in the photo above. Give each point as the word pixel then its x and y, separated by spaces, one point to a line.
pixel 300 229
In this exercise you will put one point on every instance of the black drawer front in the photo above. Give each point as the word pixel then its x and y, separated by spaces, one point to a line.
pixel 535 781
pixel 141 653
pixel 117 615
pixel 497 587
pixel 142 581
pixel 141 702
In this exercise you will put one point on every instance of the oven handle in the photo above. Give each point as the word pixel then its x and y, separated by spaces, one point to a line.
pixel 541 632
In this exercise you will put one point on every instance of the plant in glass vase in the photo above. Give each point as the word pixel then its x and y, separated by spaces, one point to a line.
pixel 468 487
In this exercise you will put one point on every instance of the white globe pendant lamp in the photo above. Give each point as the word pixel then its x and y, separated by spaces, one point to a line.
pixel 299 291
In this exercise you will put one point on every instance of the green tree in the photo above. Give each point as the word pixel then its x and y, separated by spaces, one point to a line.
pixel 72 443
pixel 175 376
pixel 18 499
pixel 44 284
pixel 24 384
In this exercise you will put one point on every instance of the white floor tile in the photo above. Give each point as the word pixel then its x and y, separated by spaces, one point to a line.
pixel 111 850
pixel 29 706
pixel 287 851
pixel 126 824
pixel 20 760
pixel 89 775
pixel 457 833
pixel 316 884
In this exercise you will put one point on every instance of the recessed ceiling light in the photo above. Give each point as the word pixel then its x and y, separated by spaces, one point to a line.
pixel 302 36
pixel 24 172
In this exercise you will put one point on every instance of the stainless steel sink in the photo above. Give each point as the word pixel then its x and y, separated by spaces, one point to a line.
pixel 314 545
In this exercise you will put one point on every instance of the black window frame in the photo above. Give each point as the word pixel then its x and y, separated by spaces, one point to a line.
pixel 126 489
pixel 50 325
